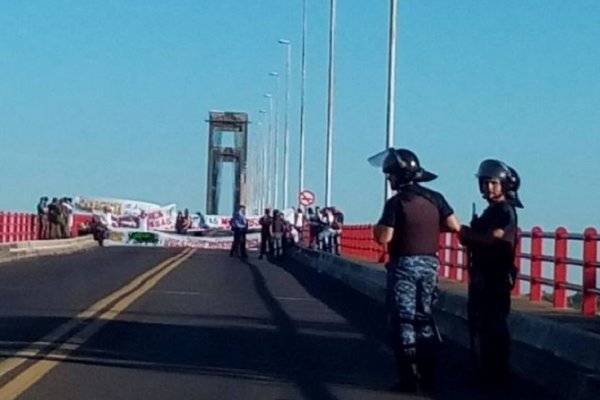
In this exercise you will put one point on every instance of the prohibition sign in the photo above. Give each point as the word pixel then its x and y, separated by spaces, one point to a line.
pixel 307 198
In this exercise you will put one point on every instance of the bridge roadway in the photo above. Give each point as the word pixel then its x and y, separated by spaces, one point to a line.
pixel 135 323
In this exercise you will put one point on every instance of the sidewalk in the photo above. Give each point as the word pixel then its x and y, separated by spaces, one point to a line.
pixel 567 317
pixel 32 248
pixel 559 349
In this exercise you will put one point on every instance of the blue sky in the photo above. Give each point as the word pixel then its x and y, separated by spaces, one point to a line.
pixel 110 98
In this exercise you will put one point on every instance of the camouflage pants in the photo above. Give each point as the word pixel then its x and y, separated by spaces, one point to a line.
pixel 411 283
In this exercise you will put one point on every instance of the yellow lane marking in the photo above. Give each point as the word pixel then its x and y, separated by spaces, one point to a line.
pixel 35 372
pixel 35 348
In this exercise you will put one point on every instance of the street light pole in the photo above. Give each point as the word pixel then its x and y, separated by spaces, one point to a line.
pixel 269 183
pixel 391 89
pixel 330 100
pixel 303 89
pixel 286 140
pixel 263 162
pixel 276 140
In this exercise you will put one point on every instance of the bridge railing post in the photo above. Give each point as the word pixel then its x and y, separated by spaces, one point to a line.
pixel 518 262
pixel 590 266
pixel 35 226
pixel 454 249
pixel 12 227
pixel 17 227
pixel 2 227
pixel 442 254
pixel 537 247
pixel 560 267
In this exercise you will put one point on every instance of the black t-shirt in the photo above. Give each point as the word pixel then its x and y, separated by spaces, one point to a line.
pixel 265 223
pixel 501 252
pixel 53 212
pixel 416 214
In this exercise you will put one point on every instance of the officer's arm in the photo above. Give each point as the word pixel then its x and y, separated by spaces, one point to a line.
pixel 451 224
pixel 382 234
pixel 449 221
pixel 495 240
pixel 384 229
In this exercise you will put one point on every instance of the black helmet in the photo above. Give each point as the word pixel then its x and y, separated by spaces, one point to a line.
pixel 508 177
pixel 403 164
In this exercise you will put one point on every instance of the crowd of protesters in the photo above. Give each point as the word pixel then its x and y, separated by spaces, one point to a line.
pixel 278 233
pixel 325 226
pixel 55 218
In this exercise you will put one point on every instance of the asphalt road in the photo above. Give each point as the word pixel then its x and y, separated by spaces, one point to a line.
pixel 137 323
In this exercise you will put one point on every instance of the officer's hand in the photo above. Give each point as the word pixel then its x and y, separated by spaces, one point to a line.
pixel 474 219
pixel 463 234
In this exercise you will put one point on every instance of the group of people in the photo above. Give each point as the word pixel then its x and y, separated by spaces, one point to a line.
pixel 277 233
pixel 410 226
pixel 183 222
pixel 325 226
pixel 55 218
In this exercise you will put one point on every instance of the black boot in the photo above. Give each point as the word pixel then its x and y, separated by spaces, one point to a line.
pixel 426 368
pixel 408 373
pixel 408 379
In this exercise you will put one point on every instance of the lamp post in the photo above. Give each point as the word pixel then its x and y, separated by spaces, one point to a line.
pixel 276 140
pixel 269 181
pixel 286 139
pixel 391 97
pixel 303 89
pixel 330 100
pixel 263 163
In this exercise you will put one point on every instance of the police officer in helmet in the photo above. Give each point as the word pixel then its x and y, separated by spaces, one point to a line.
pixel 491 240
pixel 410 226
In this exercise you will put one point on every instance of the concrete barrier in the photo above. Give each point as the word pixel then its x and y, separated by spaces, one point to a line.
pixel 32 248
pixel 560 357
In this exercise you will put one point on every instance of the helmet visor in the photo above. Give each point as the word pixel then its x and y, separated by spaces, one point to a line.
pixel 384 159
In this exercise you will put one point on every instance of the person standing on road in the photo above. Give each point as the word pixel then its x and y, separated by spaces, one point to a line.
pixel 410 226
pixel 266 247
pixel 491 240
pixel 239 225
pixel 277 234
pixel 44 224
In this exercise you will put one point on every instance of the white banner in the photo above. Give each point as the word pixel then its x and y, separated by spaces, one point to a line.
pixel 118 207
pixel 133 237
pixel 222 221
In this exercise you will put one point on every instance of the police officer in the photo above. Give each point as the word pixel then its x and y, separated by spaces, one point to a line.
pixel 491 240
pixel 239 226
pixel 410 226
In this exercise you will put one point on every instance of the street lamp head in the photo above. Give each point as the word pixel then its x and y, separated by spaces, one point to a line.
pixel 268 95
pixel 262 111
pixel 284 41
pixel 273 73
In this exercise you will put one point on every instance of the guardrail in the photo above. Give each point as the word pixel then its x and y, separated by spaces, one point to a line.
pixel 18 227
pixel 357 241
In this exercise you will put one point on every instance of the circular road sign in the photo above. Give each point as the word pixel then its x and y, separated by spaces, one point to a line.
pixel 307 198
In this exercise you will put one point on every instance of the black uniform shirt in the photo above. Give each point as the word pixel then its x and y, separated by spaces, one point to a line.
pixel 501 253
pixel 416 214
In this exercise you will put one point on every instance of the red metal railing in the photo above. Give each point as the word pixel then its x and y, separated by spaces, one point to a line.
pixel 357 241
pixel 17 227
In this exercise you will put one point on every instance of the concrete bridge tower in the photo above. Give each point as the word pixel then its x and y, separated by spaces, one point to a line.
pixel 219 123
